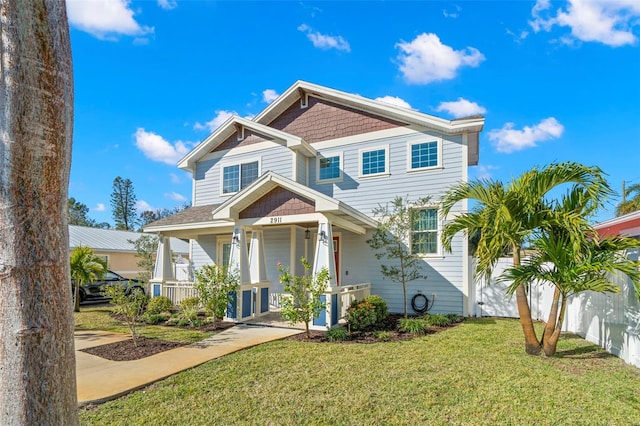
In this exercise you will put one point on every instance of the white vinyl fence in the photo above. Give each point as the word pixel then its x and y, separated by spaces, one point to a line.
pixel 611 321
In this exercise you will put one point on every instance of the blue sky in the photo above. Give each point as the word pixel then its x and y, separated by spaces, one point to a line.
pixel 556 81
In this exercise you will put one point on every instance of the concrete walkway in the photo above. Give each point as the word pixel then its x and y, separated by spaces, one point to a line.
pixel 100 380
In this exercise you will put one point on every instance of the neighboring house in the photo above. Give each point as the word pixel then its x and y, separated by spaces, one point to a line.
pixel 301 180
pixel 627 225
pixel 114 247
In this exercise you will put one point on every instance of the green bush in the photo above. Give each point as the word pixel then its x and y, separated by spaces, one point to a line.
pixel 437 320
pixel 158 305
pixel 215 286
pixel 413 325
pixel 337 334
pixel 380 306
pixel 130 305
pixel 455 318
pixel 385 336
pixel 361 315
pixel 153 319
pixel 189 308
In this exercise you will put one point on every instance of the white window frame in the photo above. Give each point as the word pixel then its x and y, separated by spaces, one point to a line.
pixel 438 165
pixel 329 155
pixel 237 163
pixel 361 153
pixel 438 230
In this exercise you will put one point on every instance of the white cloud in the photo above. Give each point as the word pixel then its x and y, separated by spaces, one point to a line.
pixel 461 108
pixel 269 95
pixel 156 148
pixel 323 41
pixel 175 178
pixel 394 100
pixel 507 139
pixel 426 59
pixel 143 206
pixel 175 196
pixel 168 4
pixel 484 172
pixel 448 14
pixel 220 117
pixel 105 19
pixel 607 22
pixel 99 207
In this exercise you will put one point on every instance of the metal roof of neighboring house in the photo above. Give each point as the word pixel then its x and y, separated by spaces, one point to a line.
pixel 113 240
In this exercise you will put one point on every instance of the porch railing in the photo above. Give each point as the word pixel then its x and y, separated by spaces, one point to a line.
pixel 178 291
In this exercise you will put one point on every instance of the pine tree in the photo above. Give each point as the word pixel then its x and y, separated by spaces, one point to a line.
pixel 123 204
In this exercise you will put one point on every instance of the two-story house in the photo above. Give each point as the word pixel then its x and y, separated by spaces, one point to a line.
pixel 301 180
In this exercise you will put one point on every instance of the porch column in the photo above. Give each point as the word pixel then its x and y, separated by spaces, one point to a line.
pixel 257 264
pixel 238 259
pixel 324 252
pixel 163 270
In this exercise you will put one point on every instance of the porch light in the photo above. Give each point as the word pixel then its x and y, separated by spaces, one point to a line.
pixel 235 239
pixel 323 236
pixel 307 234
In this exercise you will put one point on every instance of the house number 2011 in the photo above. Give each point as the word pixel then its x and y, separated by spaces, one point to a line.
pixel 277 219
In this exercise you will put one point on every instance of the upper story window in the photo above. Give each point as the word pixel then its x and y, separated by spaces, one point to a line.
pixel 424 155
pixel 329 167
pixel 238 176
pixel 424 231
pixel 374 162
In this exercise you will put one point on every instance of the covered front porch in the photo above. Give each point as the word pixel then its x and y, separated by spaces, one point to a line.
pixel 274 220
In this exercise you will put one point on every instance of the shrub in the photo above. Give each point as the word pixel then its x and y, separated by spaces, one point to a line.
pixel 380 307
pixel 189 308
pixel 215 286
pixel 455 318
pixel 305 292
pixel 337 334
pixel 153 319
pixel 437 320
pixel 131 306
pixel 158 305
pixel 385 336
pixel 413 325
pixel 361 315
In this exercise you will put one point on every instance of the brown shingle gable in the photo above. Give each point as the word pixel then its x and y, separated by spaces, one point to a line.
pixel 250 137
pixel 195 214
pixel 278 202
pixel 324 120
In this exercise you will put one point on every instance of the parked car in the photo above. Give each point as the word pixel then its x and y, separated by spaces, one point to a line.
pixel 95 290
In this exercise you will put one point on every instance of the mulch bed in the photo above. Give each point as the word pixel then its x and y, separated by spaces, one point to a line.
pixel 127 351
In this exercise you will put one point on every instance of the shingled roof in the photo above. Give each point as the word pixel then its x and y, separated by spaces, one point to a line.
pixel 196 214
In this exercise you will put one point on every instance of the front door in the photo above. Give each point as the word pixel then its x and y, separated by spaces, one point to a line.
pixel 336 257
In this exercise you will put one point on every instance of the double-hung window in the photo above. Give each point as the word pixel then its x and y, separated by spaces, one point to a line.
pixel 329 168
pixel 424 231
pixel 238 176
pixel 424 155
pixel 374 162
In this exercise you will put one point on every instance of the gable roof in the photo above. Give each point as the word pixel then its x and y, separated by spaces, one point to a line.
pixel 231 126
pixel 627 225
pixel 300 91
pixel 113 240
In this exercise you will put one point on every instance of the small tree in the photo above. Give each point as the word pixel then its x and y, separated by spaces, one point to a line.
pixel 215 285
pixel 392 238
pixel 146 247
pixel 85 268
pixel 304 303
pixel 131 305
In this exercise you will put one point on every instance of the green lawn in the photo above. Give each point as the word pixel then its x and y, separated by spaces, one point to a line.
pixel 99 318
pixel 472 374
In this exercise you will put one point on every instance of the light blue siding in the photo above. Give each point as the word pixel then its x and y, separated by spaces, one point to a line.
pixel 203 250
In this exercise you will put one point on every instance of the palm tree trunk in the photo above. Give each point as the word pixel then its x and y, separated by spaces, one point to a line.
pixel 551 342
pixel 37 357
pixel 76 298
pixel 532 345
pixel 550 326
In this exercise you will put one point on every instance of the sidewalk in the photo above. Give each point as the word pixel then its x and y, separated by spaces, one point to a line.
pixel 100 380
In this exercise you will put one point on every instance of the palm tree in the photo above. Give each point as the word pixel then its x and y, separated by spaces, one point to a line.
pixel 505 218
pixel 86 267
pixel 572 268
pixel 629 205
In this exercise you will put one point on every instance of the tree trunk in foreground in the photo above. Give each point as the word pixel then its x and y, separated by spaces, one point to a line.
pixel 554 324
pixel 531 344
pixel 37 358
